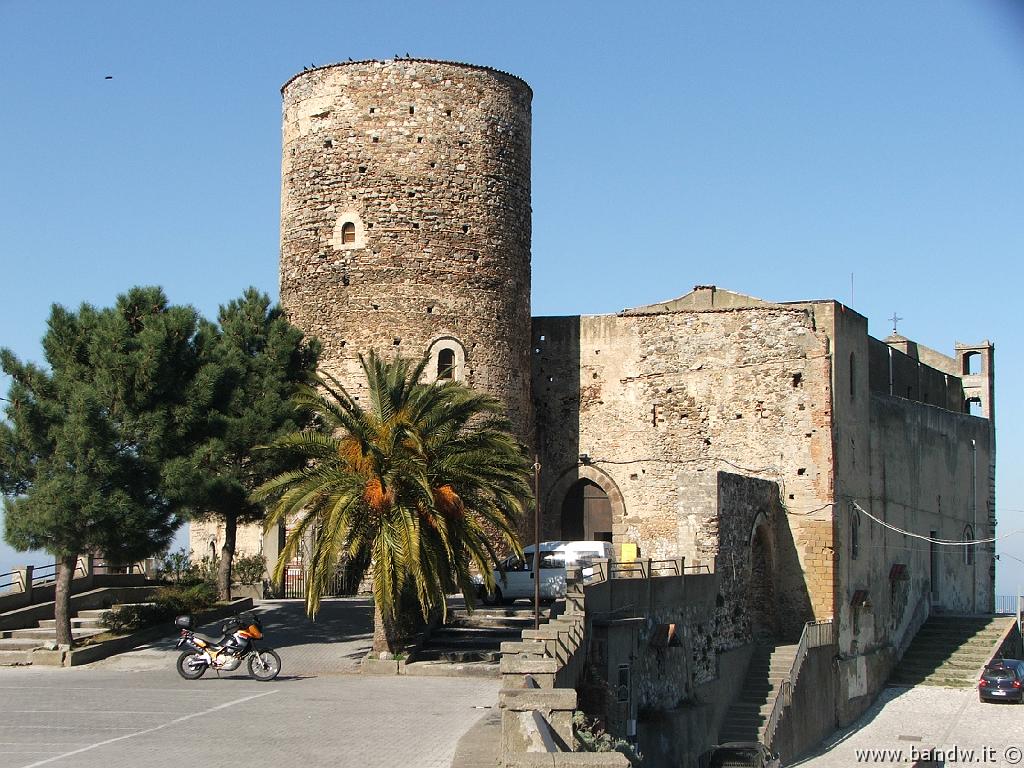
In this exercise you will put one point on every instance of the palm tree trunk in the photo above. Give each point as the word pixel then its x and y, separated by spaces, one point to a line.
pixel 386 636
pixel 62 598
pixel 227 553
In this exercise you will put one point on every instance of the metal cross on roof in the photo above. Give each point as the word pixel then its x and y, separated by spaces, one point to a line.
pixel 895 319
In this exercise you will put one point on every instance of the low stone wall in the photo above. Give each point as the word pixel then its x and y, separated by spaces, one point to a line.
pixel 812 714
pixel 537 699
pixel 30 616
pixel 1011 646
pixel 115 645
pixel 862 678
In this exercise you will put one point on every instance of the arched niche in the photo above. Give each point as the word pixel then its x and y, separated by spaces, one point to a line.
pixel 349 232
pixel 447 360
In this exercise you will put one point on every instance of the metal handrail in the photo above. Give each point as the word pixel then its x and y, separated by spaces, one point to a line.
pixel 16 579
pixel 599 571
pixel 814 635
pixel 42 579
pixel 116 567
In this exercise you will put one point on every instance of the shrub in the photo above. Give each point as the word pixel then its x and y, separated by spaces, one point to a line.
pixel 167 603
pixel 592 738
pixel 249 569
pixel 176 567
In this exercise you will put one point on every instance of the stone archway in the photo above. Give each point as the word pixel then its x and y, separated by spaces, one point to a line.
pixel 598 493
pixel 586 513
pixel 764 625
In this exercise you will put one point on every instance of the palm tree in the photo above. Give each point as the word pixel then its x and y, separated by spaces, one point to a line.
pixel 426 484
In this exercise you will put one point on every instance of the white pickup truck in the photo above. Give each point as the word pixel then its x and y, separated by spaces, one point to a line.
pixel 555 556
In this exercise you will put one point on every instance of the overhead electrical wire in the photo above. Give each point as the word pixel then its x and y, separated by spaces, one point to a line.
pixel 930 539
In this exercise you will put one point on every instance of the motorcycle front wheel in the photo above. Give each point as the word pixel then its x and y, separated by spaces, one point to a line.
pixel 191 665
pixel 264 664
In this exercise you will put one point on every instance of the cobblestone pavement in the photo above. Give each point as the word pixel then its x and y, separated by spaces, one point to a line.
pixel 905 724
pixel 133 709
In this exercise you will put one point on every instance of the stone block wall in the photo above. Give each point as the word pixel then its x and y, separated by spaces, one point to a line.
pixel 651 399
pixel 405 219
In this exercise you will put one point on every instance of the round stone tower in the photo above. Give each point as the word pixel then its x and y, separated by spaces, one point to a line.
pixel 405 220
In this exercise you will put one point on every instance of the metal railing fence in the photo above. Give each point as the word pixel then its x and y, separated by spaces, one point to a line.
pixel 815 635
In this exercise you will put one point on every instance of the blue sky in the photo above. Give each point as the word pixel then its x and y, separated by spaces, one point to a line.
pixel 769 148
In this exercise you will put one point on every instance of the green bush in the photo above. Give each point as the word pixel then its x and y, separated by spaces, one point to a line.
pixel 249 569
pixel 176 567
pixel 590 737
pixel 167 602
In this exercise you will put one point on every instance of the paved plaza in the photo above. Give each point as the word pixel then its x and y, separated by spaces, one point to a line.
pixel 134 709
pixel 905 723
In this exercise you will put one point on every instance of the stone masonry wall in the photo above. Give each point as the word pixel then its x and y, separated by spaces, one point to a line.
pixel 652 398
pixel 427 165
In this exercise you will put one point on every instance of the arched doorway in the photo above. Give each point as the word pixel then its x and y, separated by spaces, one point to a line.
pixel 586 513
pixel 763 622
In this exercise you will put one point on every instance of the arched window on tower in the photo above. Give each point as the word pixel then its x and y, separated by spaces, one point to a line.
pixel 446 363
pixel 968 548
pixel 447 357
pixel 348 233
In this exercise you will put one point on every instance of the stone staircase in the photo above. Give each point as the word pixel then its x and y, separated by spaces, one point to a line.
pixel 950 651
pixel 16 645
pixel 470 644
pixel 746 716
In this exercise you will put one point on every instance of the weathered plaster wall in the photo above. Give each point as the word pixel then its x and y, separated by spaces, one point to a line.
pixel 653 398
pixel 896 369
pixel 430 164
pixel 929 472
pixel 249 540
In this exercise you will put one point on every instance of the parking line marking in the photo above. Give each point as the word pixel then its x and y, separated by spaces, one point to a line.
pixel 169 723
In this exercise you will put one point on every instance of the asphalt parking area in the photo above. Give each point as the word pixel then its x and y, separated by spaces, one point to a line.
pixel 134 709
pixel 92 718
pixel 908 726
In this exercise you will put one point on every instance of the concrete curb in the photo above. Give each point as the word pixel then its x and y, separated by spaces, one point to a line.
pixel 91 653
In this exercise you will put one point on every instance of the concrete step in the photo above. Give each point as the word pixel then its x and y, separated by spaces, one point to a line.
pixel 24 644
pixel 92 613
pixel 445 669
pixel 79 622
pixel 14 657
pixel 508 633
pixel 48 634
pixel 452 655
pixel 466 643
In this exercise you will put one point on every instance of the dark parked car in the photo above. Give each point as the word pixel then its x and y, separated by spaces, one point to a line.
pixel 742 754
pixel 1002 680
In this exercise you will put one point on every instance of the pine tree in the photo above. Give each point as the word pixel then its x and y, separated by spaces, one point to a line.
pixel 261 358
pixel 94 444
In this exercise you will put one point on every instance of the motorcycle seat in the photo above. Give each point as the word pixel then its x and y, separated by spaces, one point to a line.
pixel 210 640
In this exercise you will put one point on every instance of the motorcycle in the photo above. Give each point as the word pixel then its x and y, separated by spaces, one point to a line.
pixel 226 654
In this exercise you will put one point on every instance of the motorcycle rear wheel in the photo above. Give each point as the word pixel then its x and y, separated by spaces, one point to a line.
pixel 264 664
pixel 191 665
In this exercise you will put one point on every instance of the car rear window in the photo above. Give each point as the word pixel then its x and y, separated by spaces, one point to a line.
pixel 735 756
pixel 999 673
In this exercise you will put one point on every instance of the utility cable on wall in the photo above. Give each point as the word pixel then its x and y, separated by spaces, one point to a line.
pixel 946 542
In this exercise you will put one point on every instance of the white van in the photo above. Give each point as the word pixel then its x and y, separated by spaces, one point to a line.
pixel 555 556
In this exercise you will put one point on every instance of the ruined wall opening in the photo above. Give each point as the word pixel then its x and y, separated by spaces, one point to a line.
pixel 763 621
pixel 971 364
pixel 586 513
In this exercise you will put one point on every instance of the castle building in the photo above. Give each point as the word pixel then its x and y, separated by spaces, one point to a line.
pixel 825 472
